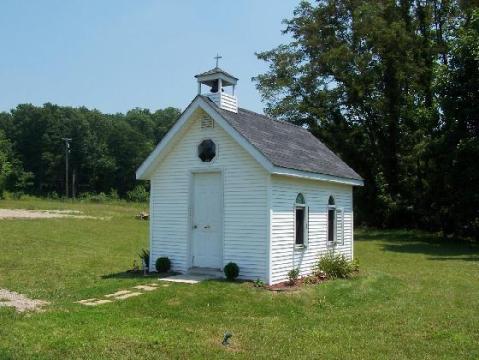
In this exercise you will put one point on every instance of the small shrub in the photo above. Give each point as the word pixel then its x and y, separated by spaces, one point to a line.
pixel 231 271
pixel 258 283
pixel 310 280
pixel 145 256
pixel 163 264
pixel 138 194
pixel 17 195
pixel 335 266
pixel 113 195
pixel 94 198
pixel 293 276
pixel 53 195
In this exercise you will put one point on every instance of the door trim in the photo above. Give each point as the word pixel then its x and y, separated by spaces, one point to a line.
pixel 191 176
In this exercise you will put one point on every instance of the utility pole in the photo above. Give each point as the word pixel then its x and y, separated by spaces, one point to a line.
pixel 74 181
pixel 67 154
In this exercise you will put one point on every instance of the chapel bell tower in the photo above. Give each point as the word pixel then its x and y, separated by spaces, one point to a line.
pixel 217 80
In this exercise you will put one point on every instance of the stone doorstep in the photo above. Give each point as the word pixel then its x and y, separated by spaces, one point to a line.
pixel 188 278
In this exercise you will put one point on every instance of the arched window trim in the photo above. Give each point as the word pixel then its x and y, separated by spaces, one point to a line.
pixel 301 222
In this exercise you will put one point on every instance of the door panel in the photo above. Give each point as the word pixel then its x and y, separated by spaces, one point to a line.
pixel 207 220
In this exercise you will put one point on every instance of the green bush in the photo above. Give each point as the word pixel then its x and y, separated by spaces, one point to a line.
pixel 258 283
pixel 335 266
pixel 94 198
pixel 293 275
pixel 138 194
pixel 231 271
pixel 163 264
pixel 113 195
pixel 53 195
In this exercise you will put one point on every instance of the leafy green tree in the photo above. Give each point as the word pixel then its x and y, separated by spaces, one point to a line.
pixel 105 149
pixel 364 77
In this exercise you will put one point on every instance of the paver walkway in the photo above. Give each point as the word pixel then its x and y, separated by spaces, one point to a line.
pixel 119 295
pixel 6 214
pixel 143 289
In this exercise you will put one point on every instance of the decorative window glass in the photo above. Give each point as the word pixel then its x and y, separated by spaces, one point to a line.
pixel 300 199
pixel 331 220
pixel 301 221
pixel 207 150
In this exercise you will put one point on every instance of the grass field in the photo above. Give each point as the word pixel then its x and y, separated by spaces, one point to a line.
pixel 416 297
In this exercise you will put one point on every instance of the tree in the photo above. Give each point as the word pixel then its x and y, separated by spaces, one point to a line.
pixel 363 77
pixel 105 149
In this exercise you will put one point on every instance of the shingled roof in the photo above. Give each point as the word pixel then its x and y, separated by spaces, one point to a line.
pixel 215 71
pixel 286 145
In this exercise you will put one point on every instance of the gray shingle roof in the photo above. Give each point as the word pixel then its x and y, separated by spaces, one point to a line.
pixel 214 71
pixel 286 145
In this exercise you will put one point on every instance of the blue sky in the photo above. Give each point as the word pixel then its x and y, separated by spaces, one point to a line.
pixel 115 55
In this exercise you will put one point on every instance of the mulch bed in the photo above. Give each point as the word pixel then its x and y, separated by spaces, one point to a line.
pixel 287 286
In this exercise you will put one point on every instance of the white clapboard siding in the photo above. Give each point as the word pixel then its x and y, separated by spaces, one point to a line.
pixel 245 202
pixel 284 256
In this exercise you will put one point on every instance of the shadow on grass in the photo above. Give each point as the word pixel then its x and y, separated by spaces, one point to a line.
pixel 136 275
pixel 128 275
pixel 418 242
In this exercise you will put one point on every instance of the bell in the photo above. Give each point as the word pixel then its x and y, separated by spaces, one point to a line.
pixel 214 88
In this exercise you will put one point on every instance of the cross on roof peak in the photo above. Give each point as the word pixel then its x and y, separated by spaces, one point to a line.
pixel 217 57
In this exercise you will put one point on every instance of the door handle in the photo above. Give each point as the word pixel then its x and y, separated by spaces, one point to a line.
pixel 206 227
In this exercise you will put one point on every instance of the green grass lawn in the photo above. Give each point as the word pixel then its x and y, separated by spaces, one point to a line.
pixel 415 298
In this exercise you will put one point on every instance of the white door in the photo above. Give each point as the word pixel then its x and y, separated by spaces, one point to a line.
pixel 207 220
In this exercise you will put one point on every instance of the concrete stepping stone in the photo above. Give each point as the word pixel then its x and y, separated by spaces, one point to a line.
pixel 145 287
pixel 129 295
pixel 118 293
pixel 86 301
pixel 94 302
pixel 187 278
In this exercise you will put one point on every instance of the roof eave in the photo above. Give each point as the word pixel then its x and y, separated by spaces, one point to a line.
pixel 278 170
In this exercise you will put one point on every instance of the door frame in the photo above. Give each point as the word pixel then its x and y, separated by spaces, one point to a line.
pixel 191 195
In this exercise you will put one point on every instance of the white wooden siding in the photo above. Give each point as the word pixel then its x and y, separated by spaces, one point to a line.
pixel 284 256
pixel 245 228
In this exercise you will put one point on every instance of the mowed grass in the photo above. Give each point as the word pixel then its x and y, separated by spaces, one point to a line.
pixel 416 297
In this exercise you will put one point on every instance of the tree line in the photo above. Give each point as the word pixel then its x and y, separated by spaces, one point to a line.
pixel 393 87
pixel 105 149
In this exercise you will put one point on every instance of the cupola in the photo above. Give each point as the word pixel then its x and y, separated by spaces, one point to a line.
pixel 218 81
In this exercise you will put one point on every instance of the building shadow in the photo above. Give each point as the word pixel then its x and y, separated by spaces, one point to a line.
pixel 417 242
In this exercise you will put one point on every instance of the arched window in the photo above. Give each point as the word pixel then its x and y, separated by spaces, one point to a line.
pixel 301 221
pixel 331 220
pixel 300 199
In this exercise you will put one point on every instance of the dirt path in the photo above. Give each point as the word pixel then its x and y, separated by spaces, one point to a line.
pixel 43 214
pixel 20 302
